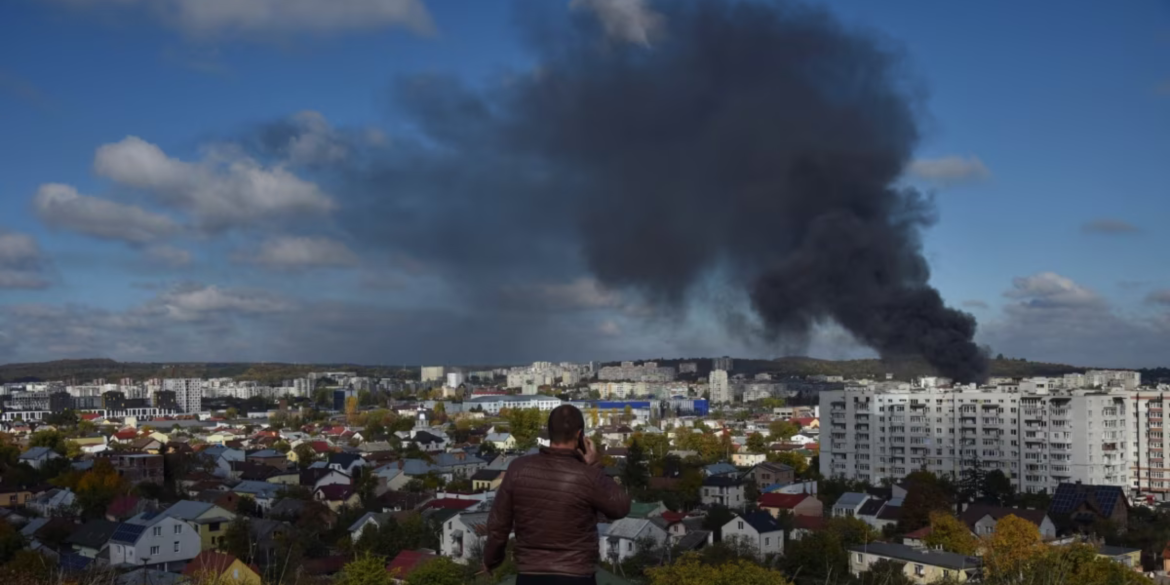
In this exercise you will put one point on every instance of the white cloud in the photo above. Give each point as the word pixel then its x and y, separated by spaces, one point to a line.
pixel 609 328
pixel 292 253
pixel 227 189
pixel 582 294
pixel 316 141
pixel 266 17
pixel 193 302
pixel 22 265
pixel 950 170
pixel 626 20
pixel 1052 291
pixel 62 206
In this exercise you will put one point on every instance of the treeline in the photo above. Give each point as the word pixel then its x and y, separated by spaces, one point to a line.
pixel 85 370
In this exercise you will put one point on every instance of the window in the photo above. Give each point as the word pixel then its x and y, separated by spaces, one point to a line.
pixel 919 570
pixel 629 546
pixel 860 557
pixel 153 551
pixel 158 530
pixel 214 527
pixel 741 525
pixel 178 528
pixel 767 541
pixel 176 546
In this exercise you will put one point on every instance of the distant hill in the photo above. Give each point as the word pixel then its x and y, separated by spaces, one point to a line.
pixel 85 370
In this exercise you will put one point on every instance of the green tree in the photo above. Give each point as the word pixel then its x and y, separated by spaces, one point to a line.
pixel 237 539
pixel 247 506
pixel 851 531
pixel 997 488
pixel 305 455
pixel 635 473
pixel 716 517
pixel 282 446
pixel 437 571
pixel 756 443
pixel 885 572
pixel 688 570
pixel 950 534
pixel 795 460
pixel 782 430
pixel 52 439
pixel 926 494
pixel 232 413
pixel 525 425
pixel 819 557
pixel 10 542
pixel 365 570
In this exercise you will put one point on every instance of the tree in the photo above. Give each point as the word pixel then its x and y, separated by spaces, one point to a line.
pixel 756 444
pixel 716 517
pixel 997 488
pixel 782 430
pixel 232 413
pixel 282 446
pixel 851 530
pixel 237 539
pixel 351 408
pixel 96 488
pixel 819 557
pixel 525 425
pixel 594 416
pixel 10 542
pixel 925 495
pixel 28 566
pixel 635 473
pixel 792 459
pixel 247 506
pixel 52 439
pixel 365 570
pixel 440 410
pixel 950 534
pixel 488 449
pixel 627 414
pixel 688 570
pixel 437 571
pixel 885 572
pixel 1008 550
pixel 306 455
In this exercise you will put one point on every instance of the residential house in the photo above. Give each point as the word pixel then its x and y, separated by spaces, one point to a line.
pixel 390 477
pixel 746 459
pixel 138 467
pixel 93 443
pixel 487 480
pixel 262 492
pixel 222 457
pixel 12 496
pixel 849 504
pixel 1130 557
pixel 502 441
pixel 464 536
pixel 320 449
pixel 266 537
pixel 368 521
pixel 458 465
pixel 921 565
pixel 209 521
pixel 716 469
pixel 620 540
pixel 147 444
pixel 335 496
pixel 53 501
pixel 723 490
pixel 90 537
pixel 769 473
pixel 428 441
pixel 1084 503
pixel 406 562
pixel 758 530
pixel 269 457
pixel 794 504
pixel 982 519
pixel 316 477
pixel 347 463
pixel 221 568
pixel 152 539
pixel 38 456
pixel 284 476
pixel 646 509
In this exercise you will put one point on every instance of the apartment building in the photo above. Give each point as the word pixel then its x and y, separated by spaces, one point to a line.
pixel 1038 438
pixel 188 393
pixel 1150 474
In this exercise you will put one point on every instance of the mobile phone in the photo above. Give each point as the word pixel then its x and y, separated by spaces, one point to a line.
pixel 581 444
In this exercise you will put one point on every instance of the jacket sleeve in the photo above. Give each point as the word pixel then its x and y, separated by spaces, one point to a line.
pixel 499 525
pixel 609 498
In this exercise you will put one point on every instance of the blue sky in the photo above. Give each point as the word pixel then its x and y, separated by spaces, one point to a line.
pixel 1046 133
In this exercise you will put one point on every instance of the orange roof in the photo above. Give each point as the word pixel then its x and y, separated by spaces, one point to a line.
pixel 920 533
pixel 804 421
pixel 782 501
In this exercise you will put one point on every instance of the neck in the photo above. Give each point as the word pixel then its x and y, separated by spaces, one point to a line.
pixel 569 445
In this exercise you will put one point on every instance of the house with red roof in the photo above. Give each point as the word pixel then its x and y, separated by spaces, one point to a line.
pixel 808 422
pixel 795 504
pixel 451 504
pixel 336 495
pixel 406 562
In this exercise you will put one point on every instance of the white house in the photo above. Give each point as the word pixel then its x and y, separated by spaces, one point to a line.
pixel 849 504
pixel 38 456
pixel 758 530
pixel 369 521
pixel 464 536
pixel 263 492
pixel 153 539
pixel 723 490
pixel 620 540
pixel 52 501
pixel 502 441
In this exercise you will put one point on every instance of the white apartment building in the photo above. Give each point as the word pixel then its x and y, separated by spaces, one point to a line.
pixel 433 373
pixel 188 393
pixel 1038 439
pixel 720 386
pixel 1150 474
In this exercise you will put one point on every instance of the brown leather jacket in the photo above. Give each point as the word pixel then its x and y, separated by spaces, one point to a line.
pixel 552 501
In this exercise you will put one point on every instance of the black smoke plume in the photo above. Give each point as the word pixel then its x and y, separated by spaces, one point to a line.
pixel 759 141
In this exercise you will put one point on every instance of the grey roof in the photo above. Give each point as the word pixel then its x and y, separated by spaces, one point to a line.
pixel 127 533
pixel 911 554
pixel 1115 551
pixel 377 517
pixel 871 507
pixel 93 534
pixel 720 469
pixel 850 500
pixel 693 539
pixel 266 453
pixel 261 488
pixel 33 525
pixel 417 467
pixel 629 528
pixel 187 509
pixel 37 453
pixel 451 460
pixel 475 520
pixel 486 474
pixel 1069 496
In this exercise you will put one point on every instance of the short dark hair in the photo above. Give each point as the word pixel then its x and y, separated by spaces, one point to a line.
pixel 564 422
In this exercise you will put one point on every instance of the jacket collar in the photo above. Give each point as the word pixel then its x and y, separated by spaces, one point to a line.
pixel 563 453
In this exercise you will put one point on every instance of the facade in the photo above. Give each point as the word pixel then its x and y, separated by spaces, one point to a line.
pixel 720 386
pixel 188 393
pixel 1150 473
pixel 758 530
pixel 723 490
pixel 464 536
pixel 139 467
pixel 921 565
pixel 1035 438
pixel 620 541
pixel 154 540
pixel 209 521
pixel 433 373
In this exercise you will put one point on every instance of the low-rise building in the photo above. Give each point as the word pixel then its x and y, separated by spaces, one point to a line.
pixel 152 539
pixel 921 565
pixel 138 468
pixel 723 490
pixel 795 504
pixel 758 530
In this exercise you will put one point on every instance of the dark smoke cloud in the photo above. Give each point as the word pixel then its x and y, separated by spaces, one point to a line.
pixel 760 142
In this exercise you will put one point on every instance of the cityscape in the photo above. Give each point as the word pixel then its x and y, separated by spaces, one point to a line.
pixel 583 292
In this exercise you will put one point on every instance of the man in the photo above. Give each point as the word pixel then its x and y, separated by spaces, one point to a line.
pixel 552 501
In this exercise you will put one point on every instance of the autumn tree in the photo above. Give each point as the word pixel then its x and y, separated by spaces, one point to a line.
pixel 688 570
pixel 782 430
pixel 796 461
pixel 525 425
pixel 306 455
pixel 635 473
pixel 365 570
pixel 437 571
pixel 1007 552
pixel 950 534
pixel 851 530
pixel 98 487
pixel 756 443
pixel 351 408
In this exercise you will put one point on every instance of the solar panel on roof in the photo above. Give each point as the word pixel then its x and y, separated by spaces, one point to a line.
pixel 150 515
pixel 128 532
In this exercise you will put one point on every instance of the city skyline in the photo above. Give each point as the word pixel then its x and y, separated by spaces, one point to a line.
pixel 171 190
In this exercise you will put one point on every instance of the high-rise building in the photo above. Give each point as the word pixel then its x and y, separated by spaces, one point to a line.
pixel 1037 439
pixel 722 363
pixel 433 373
pixel 720 387
pixel 188 393
pixel 1150 473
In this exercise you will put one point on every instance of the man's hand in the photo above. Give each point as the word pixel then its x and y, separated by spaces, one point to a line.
pixel 592 455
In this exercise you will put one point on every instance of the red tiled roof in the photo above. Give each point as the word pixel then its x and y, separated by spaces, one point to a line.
pixel 121 506
pixel 320 446
pixel 90 416
pixel 782 501
pixel 407 561
pixel 333 430
pixel 127 434
pixel 451 504
pixel 919 534
pixel 673 517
